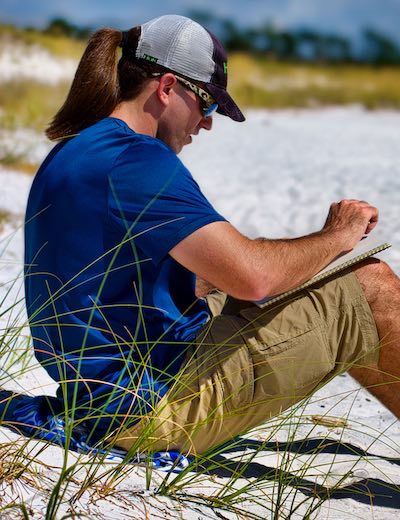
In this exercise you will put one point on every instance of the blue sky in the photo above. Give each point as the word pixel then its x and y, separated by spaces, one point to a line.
pixel 347 17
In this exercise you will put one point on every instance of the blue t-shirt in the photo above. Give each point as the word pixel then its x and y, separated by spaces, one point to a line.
pixel 111 313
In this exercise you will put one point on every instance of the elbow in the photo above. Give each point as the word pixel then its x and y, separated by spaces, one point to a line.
pixel 261 285
pixel 259 292
pixel 253 288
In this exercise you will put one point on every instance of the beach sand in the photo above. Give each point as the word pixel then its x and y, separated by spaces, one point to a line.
pixel 275 176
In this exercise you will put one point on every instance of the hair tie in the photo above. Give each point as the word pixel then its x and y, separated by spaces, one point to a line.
pixel 124 41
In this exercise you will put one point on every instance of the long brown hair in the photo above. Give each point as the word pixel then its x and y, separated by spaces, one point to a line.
pixel 101 81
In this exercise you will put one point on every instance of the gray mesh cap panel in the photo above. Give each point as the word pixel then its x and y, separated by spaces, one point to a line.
pixel 179 44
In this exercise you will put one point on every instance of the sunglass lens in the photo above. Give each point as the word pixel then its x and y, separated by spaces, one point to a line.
pixel 208 111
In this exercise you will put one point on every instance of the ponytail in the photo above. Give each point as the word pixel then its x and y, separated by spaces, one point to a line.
pixel 101 82
pixel 94 90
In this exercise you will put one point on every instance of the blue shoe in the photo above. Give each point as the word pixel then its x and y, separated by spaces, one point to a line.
pixel 9 402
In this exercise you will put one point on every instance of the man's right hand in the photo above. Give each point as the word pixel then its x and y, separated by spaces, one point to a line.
pixel 349 220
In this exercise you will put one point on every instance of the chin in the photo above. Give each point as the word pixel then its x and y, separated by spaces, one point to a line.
pixel 177 149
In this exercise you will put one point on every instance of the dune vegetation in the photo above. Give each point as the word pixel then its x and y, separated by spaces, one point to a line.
pixel 258 82
pixel 255 81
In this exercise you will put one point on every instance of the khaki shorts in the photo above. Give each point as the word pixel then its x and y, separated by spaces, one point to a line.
pixel 249 364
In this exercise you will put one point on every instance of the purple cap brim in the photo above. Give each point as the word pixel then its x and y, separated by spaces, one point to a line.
pixel 226 105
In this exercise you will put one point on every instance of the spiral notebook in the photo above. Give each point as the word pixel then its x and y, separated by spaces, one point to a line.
pixel 365 248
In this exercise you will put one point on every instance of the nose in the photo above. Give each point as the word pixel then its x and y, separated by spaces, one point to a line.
pixel 206 123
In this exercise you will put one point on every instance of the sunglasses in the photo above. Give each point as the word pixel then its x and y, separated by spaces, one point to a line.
pixel 209 106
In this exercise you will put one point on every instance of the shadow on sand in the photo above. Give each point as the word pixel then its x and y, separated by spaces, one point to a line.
pixel 371 491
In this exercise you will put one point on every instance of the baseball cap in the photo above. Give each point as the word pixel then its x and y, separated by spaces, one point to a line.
pixel 185 47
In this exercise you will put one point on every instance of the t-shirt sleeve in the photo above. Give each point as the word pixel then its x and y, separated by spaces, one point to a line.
pixel 154 199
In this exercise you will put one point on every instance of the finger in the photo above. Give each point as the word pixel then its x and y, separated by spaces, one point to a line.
pixel 373 219
pixel 370 227
pixel 354 201
pixel 375 214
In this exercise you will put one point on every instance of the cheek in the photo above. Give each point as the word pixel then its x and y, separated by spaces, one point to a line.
pixel 195 120
pixel 192 114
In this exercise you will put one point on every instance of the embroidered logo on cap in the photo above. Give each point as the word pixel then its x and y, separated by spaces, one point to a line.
pixel 152 59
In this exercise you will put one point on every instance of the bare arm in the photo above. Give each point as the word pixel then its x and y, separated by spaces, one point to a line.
pixel 252 269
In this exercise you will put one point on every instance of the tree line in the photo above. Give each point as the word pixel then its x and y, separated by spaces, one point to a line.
pixel 303 44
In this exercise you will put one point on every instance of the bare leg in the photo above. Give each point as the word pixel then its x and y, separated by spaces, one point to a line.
pixel 382 290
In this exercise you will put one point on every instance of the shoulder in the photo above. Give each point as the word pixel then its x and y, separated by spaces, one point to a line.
pixel 150 151
pixel 147 158
pixel 115 137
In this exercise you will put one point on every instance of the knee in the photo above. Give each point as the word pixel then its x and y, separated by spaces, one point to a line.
pixel 377 279
pixel 373 269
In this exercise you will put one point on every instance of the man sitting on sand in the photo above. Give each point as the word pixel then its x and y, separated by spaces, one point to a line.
pixel 139 293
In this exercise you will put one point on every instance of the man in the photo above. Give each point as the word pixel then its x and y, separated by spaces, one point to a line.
pixel 117 231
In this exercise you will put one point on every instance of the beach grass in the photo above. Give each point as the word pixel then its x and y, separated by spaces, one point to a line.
pixel 254 84
pixel 255 81
pixel 258 82
pixel 29 104
pixel 274 471
pixel 246 478
pixel 60 46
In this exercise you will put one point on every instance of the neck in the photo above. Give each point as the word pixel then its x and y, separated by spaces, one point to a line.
pixel 136 117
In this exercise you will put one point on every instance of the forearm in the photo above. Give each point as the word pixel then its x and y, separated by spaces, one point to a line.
pixel 286 263
pixel 252 269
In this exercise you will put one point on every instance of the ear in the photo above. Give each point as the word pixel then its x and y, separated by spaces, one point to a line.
pixel 165 87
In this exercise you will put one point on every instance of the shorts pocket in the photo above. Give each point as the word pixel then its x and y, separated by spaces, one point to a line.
pixel 285 367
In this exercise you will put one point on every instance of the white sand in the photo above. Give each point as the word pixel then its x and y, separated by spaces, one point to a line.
pixel 274 176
